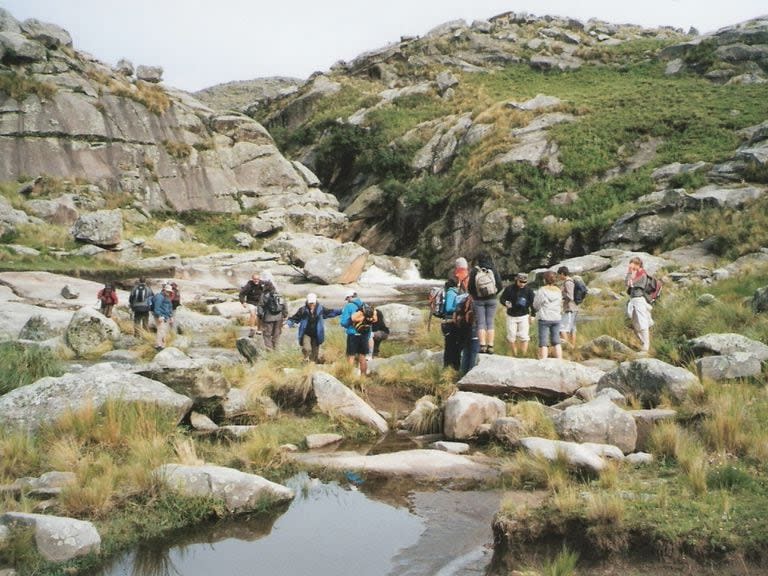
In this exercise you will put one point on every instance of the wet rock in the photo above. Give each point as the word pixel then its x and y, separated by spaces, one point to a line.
pixel 598 421
pixel 57 538
pixel 648 380
pixel 240 492
pixel 335 398
pixel 49 398
pixel 464 412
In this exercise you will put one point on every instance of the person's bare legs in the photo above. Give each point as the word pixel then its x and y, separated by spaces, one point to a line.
pixel 558 351
pixel 543 352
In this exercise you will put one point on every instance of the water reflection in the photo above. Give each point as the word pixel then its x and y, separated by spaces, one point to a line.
pixel 332 529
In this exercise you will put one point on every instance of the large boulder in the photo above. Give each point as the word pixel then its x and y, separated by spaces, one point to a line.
pixel 48 34
pixel 735 365
pixel 102 228
pixel 403 321
pixel 197 378
pixel 38 328
pixel 240 492
pixel 728 343
pixel 599 421
pixel 46 400
pixel 465 412
pixel 334 398
pixel 649 380
pixel 548 379
pixel 298 248
pixel 89 330
pixel 760 300
pixel 57 539
pixel 342 265
pixel 605 346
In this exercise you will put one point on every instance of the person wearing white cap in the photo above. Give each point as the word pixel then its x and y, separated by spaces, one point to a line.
pixel 311 326
pixel 162 311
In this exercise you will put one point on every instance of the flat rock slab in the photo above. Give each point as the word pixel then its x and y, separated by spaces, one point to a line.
pixel 35 286
pixel 241 492
pixel 419 464
pixel 550 378
pixel 46 400
pixel 57 538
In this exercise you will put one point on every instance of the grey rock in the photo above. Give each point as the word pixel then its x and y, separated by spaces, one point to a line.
pixel 173 233
pixel 495 225
pixel 299 248
pixel 728 344
pixel 564 62
pixel 48 34
pixel 316 441
pixel 760 300
pixel 202 423
pixel 102 228
pixel 19 48
pixel 539 102
pixel 124 67
pixel 240 492
pixel 599 421
pixel 445 80
pixel 46 400
pixel 62 211
pixel 648 380
pixel 464 412
pixel 250 348
pixel 646 421
pixel 508 431
pixel 578 456
pixel 335 398
pixel 152 74
pixel 640 459
pixel 403 320
pixel 585 264
pixel 450 447
pixel 342 265
pixel 735 365
pixel 606 347
pixel 550 379
pixel 57 538
pixel 38 328
pixel 196 378
pixel 243 239
pixel 431 465
pixel 7 22
pixel 10 218
pixel 89 330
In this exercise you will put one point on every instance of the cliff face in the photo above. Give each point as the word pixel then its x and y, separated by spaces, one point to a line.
pixel 65 114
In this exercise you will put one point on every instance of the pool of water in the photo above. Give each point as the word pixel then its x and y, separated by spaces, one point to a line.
pixel 334 529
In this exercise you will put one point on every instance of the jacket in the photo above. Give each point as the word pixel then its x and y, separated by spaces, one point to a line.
pixel 251 292
pixel 569 305
pixel 521 299
pixel 638 285
pixel 303 316
pixel 346 316
pixel 548 304
pixel 472 288
pixel 162 306
pixel 107 297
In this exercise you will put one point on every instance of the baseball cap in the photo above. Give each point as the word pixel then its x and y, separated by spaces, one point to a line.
pixel 461 262
pixel 522 276
pixel 311 298
pixel 349 294
pixel 167 287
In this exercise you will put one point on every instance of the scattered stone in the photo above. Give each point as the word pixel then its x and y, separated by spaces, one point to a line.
pixel 315 441
pixel 732 366
pixel 70 293
pixel 57 538
pixel 727 344
pixel 598 421
pixel 335 398
pixel 649 379
pixel 464 412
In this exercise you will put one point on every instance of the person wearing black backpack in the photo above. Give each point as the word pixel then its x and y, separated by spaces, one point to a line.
pixel 570 307
pixel 484 284
pixel 140 303
pixel 273 312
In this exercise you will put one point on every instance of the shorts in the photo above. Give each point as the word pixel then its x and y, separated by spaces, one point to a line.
pixel 357 344
pixel 485 310
pixel 568 323
pixel 518 328
pixel 549 333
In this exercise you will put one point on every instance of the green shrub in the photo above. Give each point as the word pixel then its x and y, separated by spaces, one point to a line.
pixel 23 365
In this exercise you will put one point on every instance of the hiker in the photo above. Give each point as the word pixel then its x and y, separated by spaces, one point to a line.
pixel 162 311
pixel 140 302
pixel 357 336
pixel 570 308
pixel 452 343
pixel 310 319
pixel 107 298
pixel 639 309
pixel 517 298
pixel 379 333
pixel 272 313
pixel 466 325
pixel 250 296
pixel 175 296
pixel 461 274
pixel 548 303
pixel 484 284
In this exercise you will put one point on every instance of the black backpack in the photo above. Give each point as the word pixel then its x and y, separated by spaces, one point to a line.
pixel 273 303
pixel 580 290
pixel 141 298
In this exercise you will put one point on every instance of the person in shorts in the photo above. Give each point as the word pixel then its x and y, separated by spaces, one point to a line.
pixel 517 298
pixel 250 296
pixel 357 343
pixel 570 308
pixel 548 304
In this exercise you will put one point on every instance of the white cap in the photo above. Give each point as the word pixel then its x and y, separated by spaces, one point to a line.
pixel 350 294
pixel 461 262
pixel 167 287
pixel 311 298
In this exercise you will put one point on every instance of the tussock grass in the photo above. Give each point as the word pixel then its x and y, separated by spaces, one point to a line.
pixel 23 365
pixel 533 416
pixel 19 86
pixel 526 471
pixel 564 564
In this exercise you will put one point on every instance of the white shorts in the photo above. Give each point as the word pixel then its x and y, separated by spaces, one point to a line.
pixel 568 323
pixel 518 328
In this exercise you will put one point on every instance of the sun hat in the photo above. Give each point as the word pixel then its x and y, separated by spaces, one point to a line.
pixel 311 298
pixel 167 287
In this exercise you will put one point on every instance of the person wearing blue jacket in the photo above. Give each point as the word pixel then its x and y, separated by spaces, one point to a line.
pixel 357 343
pixel 162 311
pixel 310 319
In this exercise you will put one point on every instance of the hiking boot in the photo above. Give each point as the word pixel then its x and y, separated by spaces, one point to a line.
pixel 483 349
pixel 489 350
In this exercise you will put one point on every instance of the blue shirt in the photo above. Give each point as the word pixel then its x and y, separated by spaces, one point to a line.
pixel 162 306
pixel 346 316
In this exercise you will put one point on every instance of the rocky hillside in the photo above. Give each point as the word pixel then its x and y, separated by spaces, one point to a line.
pixel 120 137
pixel 539 138
pixel 247 95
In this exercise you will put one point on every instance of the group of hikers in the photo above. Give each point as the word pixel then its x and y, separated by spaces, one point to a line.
pixel 466 304
pixel 468 301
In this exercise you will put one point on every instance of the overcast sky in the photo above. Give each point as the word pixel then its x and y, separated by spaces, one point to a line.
pixel 200 43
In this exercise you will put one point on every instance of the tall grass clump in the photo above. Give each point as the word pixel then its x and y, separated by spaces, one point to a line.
pixel 564 564
pixel 22 365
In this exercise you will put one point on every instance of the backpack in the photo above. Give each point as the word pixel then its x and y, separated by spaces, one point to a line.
pixel 364 318
pixel 464 316
pixel 652 290
pixel 580 290
pixel 485 282
pixel 273 303
pixel 437 302
pixel 141 298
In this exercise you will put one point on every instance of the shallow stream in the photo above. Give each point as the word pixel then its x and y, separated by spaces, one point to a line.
pixel 333 529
